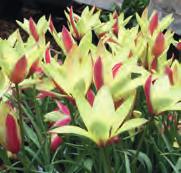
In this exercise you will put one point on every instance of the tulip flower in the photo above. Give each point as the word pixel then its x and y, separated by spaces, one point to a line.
pixel 64 39
pixel 102 122
pixel 153 43
pixel 10 137
pixel 117 75
pixel 36 31
pixel 58 118
pixel 19 59
pixel 80 25
pixel 115 24
pixel 14 65
pixel 76 67
pixel 162 95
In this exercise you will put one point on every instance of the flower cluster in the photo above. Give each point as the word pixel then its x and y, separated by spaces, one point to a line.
pixel 99 78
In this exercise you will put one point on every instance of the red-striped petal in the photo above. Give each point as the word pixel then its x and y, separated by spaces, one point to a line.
pixel 72 22
pixel 13 140
pixel 115 69
pixel 159 45
pixel 33 30
pixel 169 72
pixel 98 73
pixel 35 68
pixel 51 25
pixel 154 64
pixel 153 23
pixel 90 97
pixel 67 39
pixel 48 55
pixel 66 120
pixel 147 89
pixel 44 94
pixel 19 72
pixel 55 142
pixel 63 108
pixel 115 26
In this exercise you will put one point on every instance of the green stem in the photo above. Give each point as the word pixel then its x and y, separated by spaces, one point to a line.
pixel 22 155
pixel 20 114
pixel 138 151
pixel 106 162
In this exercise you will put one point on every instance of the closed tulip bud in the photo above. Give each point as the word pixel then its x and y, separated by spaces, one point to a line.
pixel 19 71
pixel 55 142
pixel 13 139
pixel 159 45
pixel 33 29
pixel 10 136
pixel 153 23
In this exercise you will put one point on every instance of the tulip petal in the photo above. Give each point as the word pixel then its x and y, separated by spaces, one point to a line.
pixel 55 142
pixel 67 39
pixel 73 23
pixel 115 26
pixel 33 30
pixel 62 122
pixel 116 68
pixel 90 97
pixel 98 73
pixel 13 141
pixel 153 23
pixel 63 108
pixel 47 55
pixel 159 45
pixel 169 72
pixel 19 71
pixel 147 89
pixel 51 25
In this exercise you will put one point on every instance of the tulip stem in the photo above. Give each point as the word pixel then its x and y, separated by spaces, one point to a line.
pixel 20 114
pixel 106 162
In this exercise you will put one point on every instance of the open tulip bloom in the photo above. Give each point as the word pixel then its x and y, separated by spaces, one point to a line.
pixel 102 121
pixel 164 93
